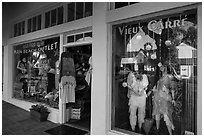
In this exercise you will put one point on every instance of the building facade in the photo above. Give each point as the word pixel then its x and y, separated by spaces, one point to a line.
pixel 107 42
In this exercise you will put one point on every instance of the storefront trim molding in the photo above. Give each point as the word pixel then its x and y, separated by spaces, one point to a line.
pixel 78 43
pixel 142 8
pixel 69 26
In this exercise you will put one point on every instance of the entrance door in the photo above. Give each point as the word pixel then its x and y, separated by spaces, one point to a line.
pixel 80 111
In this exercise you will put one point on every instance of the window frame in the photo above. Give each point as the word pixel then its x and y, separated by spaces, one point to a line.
pixel 110 60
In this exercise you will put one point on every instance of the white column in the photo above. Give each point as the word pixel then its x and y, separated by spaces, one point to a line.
pixel 8 73
pixel 199 84
pixel 99 58
pixel 62 107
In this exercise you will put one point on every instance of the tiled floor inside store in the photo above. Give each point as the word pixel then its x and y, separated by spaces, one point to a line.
pixel 16 121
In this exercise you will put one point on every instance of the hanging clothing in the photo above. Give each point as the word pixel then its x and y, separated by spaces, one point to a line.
pixel 67 67
pixel 67 91
pixel 137 98
pixel 89 72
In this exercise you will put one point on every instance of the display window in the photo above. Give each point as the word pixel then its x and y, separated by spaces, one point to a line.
pixel 154 74
pixel 36 71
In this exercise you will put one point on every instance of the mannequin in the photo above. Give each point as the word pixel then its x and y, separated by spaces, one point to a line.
pixel 22 65
pixel 163 101
pixel 137 86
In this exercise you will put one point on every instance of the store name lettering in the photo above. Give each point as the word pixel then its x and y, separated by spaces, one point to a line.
pixel 44 48
pixel 128 30
pixel 155 26
pixel 158 26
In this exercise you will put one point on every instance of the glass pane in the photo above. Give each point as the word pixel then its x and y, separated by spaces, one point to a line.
pixel 70 39
pixel 79 37
pixel 133 3
pixel 53 17
pixel 19 29
pixel 88 9
pixel 23 27
pixel 71 11
pixel 29 25
pixel 39 22
pixel 88 34
pixel 47 19
pixel 15 30
pixel 60 15
pixel 120 4
pixel 154 74
pixel 34 23
pixel 34 71
pixel 79 10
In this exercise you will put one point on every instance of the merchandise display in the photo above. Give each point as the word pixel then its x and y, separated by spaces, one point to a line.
pixel 154 74
pixel 35 75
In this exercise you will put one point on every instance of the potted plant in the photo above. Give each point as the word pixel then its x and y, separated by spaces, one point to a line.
pixel 39 112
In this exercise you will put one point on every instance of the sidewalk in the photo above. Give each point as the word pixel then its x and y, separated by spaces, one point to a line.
pixel 16 121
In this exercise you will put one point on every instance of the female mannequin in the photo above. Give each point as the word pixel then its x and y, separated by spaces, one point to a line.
pixel 163 101
pixel 137 86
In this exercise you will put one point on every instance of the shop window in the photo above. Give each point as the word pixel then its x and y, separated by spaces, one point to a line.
pixel 79 37
pixel 116 5
pixel 60 15
pixel 120 4
pixel 23 27
pixel 71 11
pixel 47 19
pixel 39 22
pixel 88 9
pixel 88 34
pixel 15 30
pixel 154 75
pixel 19 28
pixel 53 17
pixel 79 10
pixel 70 39
pixel 35 66
pixel 29 26
pixel 34 23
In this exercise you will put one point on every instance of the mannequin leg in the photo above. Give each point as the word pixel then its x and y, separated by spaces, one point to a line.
pixel 133 117
pixel 141 116
pixel 168 124
pixel 157 121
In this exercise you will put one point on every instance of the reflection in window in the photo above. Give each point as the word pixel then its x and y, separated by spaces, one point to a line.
pixel 71 11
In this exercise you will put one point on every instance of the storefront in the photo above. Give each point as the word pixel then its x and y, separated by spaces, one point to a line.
pixel 130 70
